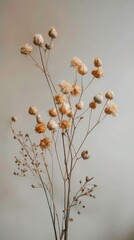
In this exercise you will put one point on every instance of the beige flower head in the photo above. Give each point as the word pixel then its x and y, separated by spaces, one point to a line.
pixel 33 110
pixel 59 99
pixel 52 125
pixel 38 39
pixel 111 109
pixel 64 108
pixel 40 128
pixel 52 33
pixel 75 90
pixel 70 114
pixel 45 143
pixel 39 119
pixel 65 87
pixel 98 98
pixel 75 62
pixel 97 73
pixel 97 62
pixel 79 105
pixel 109 95
pixel 64 124
pixel 53 112
pixel 82 69
pixel 26 49
pixel 92 105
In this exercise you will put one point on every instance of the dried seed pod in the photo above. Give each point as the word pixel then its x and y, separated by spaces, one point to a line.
pixel 40 128
pixel 79 105
pixel 109 95
pixel 97 73
pixel 98 98
pixel 64 108
pixel 70 114
pixel 85 154
pixel 39 119
pixel 52 33
pixel 75 62
pixel 53 112
pixel 52 125
pixel 59 99
pixel 49 46
pixel 64 124
pixel 45 143
pixel 111 109
pixel 33 110
pixel 75 90
pixel 26 49
pixel 82 69
pixel 38 39
pixel 93 105
pixel 97 62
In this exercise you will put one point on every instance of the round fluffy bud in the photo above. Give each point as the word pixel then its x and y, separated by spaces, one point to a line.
pixel 79 105
pixel 49 46
pixel 40 128
pixel 64 124
pixel 53 112
pixel 26 49
pixel 75 90
pixel 33 110
pixel 85 154
pixel 52 32
pixel 14 119
pixel 70 114
pixel 98 98
pixel 52 125
pixel 64 108
pixel 75 62
pixel 59 99
pixel 45 143
pixel 109 95
pixel 97 62
pixel 93 105
pixel 39 119
pixel 38 39
pixel 82 69
pixel 97 73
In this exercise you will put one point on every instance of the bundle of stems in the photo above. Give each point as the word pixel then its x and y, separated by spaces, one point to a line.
pixel 59 134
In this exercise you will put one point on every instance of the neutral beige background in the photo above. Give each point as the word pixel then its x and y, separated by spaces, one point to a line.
pixel 86 28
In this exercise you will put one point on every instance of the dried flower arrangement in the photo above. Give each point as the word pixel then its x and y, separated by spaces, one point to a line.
pixel 57 144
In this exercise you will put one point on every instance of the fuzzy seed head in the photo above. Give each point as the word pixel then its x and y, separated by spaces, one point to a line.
pixel 40 128
pixel 26 49
pixel 79 105
pixel 33 110
pixel 97 62
pixel 75 62
pixel 97 73
pixel 45 143
pixel 82 69
pixel 64 124
pixel 39 119
pixel 52 125
pixel 109 95
pixel 98 98
pixel 85 154
pixel 52 33
pixel 92 105
pixel 53 112
pixel 38 40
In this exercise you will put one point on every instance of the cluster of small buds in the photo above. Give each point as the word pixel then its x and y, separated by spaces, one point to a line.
pixel 38 40
pixel 98 72
pixel 79 65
